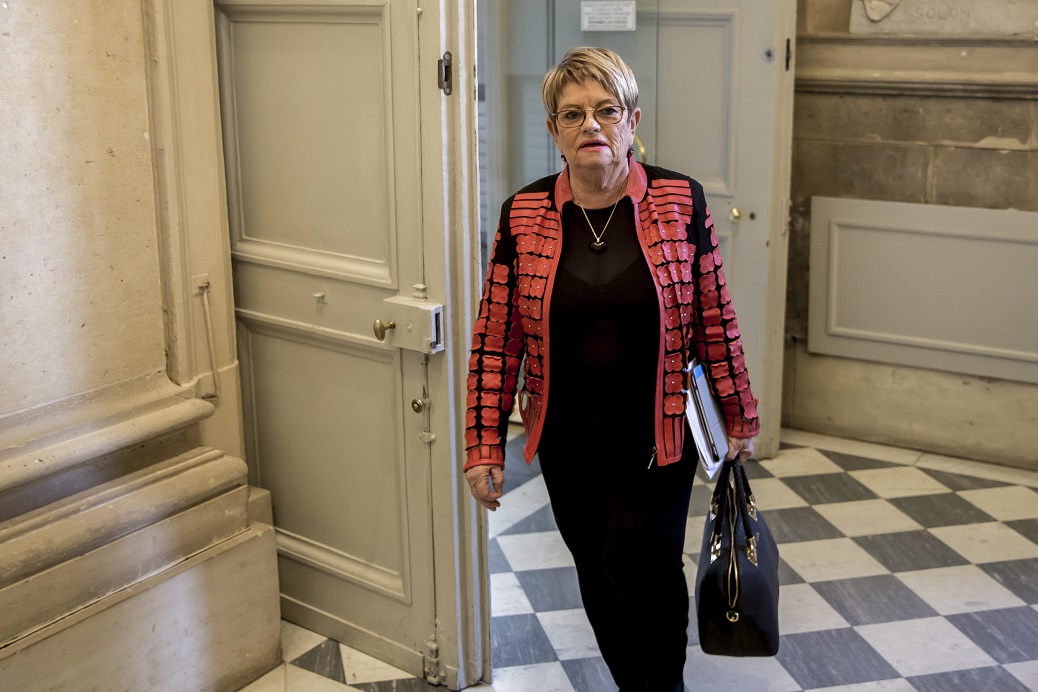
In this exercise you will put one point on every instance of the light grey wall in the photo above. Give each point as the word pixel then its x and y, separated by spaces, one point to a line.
pixel 959 151
pixel 968 139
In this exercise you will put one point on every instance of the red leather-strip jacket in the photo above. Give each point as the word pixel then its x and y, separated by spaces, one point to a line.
pixel 677 236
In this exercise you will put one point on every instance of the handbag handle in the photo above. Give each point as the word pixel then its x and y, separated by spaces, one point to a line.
pixel 747 508
pixel 751 502
pixel 719 488
pixel 732 494
pixel 719 508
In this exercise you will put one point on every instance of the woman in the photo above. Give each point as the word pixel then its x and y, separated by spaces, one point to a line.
pixel 607 277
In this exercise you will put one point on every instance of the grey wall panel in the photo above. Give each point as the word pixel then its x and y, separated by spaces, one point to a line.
pixel 947 288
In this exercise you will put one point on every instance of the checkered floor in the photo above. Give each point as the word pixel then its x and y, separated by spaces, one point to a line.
pixel 900 571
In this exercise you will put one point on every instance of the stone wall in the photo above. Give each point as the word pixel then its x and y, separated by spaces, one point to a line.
pixel 79 273
pixel 936 121
pixel 957 151
pixel 127 550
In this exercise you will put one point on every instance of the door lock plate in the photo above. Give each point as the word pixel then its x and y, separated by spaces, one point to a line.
pixel 417 324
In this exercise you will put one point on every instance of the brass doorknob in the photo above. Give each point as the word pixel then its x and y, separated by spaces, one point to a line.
pixel 418 405
pixel 382 327
pixel 735 215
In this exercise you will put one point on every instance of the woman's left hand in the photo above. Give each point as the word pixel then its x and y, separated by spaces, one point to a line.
pixel 741 446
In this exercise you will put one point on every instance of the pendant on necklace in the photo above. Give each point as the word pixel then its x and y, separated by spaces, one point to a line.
pixel 598 245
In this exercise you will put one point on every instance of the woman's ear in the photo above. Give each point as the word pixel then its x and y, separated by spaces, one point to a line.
pixel 550 123
pixel 636 116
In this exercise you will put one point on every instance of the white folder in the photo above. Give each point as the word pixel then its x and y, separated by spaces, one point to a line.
pixel 705 419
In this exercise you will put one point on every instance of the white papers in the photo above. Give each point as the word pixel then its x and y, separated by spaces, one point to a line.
pixel 706 420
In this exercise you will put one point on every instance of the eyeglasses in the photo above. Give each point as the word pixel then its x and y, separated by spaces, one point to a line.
pixel 575 117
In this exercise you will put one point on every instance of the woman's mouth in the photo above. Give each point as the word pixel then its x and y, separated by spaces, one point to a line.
pixel 593 145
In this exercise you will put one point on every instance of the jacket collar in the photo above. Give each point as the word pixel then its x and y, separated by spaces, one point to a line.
pixel 636 185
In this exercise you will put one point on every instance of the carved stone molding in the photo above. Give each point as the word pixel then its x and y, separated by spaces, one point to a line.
pixel 45 467
pixel 944 17
pixel 971 67
pixel 74 552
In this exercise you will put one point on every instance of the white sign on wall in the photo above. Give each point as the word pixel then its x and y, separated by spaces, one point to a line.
pixel 608 16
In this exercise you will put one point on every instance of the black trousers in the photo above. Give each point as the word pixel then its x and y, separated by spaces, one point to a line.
pixel 624 523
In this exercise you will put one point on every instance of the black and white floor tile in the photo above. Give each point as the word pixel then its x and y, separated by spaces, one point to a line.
pixel 900 571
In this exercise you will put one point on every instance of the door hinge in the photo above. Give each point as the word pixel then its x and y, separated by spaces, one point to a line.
pixel 431 662
pixel 445 75
pixel 789 53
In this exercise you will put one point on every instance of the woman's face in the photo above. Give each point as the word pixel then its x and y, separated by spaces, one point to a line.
pixel 593 145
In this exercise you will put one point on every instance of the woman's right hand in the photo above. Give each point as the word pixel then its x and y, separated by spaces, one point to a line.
pixel 486 483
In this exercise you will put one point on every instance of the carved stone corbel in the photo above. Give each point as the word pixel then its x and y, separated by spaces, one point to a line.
pixel 877 10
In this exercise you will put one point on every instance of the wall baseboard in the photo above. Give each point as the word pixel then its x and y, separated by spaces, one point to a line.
pixel 956 415
pixel 208 624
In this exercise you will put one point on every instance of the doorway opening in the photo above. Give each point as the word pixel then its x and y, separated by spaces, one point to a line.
pixel 518 42
pixel 716 105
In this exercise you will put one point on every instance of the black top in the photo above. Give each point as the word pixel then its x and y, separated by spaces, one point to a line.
pixel 604 332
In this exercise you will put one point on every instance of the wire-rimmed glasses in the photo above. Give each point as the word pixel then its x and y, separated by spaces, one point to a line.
pixel 575 117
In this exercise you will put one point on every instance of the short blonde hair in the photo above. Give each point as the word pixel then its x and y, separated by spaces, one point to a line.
pixel 600 64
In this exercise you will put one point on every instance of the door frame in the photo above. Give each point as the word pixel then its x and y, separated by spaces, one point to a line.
pixel 770 410
pixel 462 589
pixel 450 212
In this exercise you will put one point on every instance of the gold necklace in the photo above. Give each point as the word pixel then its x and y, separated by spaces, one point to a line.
pixel 599 245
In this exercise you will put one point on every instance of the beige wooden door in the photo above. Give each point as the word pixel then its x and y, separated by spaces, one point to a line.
pixel 717 101
pixel 322 107
pixel 724 114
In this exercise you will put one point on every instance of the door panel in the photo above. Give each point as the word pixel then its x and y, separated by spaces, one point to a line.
pixel 725 114
pixel 695 116
pixel 321 130
pixel 305 138
pixel 300 386
pixel 710 96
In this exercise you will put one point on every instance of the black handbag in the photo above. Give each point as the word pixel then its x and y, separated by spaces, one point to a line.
pixel 737 587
